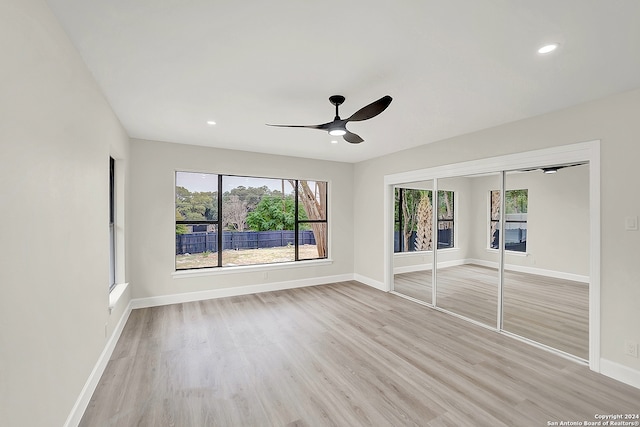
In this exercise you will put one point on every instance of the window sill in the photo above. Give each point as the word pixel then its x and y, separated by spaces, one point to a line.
pixel 508 252
pixel 115 294
pixel 215 271
pixel 418 253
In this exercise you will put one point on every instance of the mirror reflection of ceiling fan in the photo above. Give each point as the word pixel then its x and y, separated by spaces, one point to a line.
pixel 553 169
pixel 338 127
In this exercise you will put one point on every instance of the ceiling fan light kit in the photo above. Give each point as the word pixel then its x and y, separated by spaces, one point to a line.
pixel 338 127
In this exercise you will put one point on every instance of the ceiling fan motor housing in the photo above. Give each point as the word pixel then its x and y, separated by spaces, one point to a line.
pixel 336 99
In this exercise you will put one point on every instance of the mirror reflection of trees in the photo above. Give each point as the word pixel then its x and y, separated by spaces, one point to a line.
pixel 413 211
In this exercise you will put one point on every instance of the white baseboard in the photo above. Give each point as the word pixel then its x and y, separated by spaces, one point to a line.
pixel 94 378
pixel 608 368
pixel 422 267
pixel 531 270
pixel 411 268
pixel 370 282
pixel 620 372
pixel 235 291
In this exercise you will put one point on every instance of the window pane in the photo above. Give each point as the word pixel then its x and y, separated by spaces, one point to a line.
pixel 112 225
pixel 254 224
pixel 445 219
pixel 414 228
pixel 495 205
pixel 516 207
pixel 258 219
pixel 312 197
pixel 196 246
pixel 396 221
pixel 196 196
pixel 312 240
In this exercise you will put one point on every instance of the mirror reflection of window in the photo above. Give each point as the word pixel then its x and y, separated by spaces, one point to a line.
pixel 516 209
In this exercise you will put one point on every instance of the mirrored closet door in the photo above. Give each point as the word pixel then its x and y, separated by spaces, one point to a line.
pixel 413 245
pixel 467 275
pixel 508 249
pixel 546 257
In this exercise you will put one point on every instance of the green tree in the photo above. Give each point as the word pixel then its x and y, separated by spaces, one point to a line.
pixel 409 211
pixel 238 202
pixel 516 201
pixel 180 228
pixel 274 213
pixel 197 205
pixel 251 195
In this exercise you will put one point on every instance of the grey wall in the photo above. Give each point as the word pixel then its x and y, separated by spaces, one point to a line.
pixel 152 218
pixel 558 221
pixel 56 133
pixel 614 121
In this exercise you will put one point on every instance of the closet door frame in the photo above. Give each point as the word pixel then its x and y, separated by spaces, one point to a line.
pixel 580 152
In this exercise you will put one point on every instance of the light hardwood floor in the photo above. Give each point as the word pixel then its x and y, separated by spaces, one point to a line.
pixel 342 354
pixel 554 312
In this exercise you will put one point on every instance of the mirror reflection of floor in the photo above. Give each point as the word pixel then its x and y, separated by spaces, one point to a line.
pixel 551 311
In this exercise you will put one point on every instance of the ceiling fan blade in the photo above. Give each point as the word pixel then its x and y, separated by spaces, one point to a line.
pixel 352 138
pixel 324 126
pixel 371 110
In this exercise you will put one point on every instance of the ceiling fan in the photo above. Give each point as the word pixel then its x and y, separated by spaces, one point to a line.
pixel 338 127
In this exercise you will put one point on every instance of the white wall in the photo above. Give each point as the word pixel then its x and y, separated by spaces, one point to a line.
pixel 152 219
pixel 558 220
pixel 56 135
pixel 614 121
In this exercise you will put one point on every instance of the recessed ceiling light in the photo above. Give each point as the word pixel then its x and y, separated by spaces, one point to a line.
pixel 211 122
pixel 333 141
pixel 548 48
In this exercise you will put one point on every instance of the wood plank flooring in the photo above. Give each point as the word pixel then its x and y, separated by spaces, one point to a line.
pixel 554 312
pixel 342 354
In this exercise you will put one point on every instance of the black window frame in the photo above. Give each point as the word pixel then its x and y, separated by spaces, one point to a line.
pixel 112 223
pixel 494 240
pixel 398 220
pixel 218 222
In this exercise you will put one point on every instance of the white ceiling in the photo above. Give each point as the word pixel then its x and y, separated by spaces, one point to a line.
pixel 452 67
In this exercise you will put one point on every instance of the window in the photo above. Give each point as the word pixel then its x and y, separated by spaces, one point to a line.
pixel 413 220
pixel 112 223
pixel 516 207
pixel 252 220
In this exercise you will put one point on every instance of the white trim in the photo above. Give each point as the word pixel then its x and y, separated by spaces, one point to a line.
pixel 412 254
pixel 620 372
pixel 531 270
pixel 544 347
pixel 90 385
pixel 116 293
pixel 547 273
pixel 388 238
pixel 235 291
pixel 594 255
pixel 582 151
pixel 412 268
pixel 428 266
pixel 371 282
pixel 508 252
pixel 215 271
